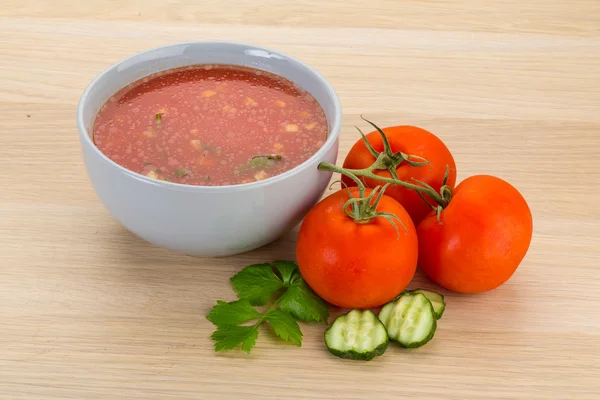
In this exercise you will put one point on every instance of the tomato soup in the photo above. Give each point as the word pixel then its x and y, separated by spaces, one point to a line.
pixel 210 125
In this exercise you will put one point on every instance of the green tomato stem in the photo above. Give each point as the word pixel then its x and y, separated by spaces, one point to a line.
pixel 362 211
pixel 368 173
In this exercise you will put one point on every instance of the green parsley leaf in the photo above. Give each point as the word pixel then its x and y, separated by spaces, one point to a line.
pixel 285 326
pixel 229 337
pixel 233 313
pixel 256 283
pixel 287 269
pixel 279 283
pixel 302 303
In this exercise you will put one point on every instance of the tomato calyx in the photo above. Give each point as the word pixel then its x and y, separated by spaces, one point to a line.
pixel 363 209
pixel 387 159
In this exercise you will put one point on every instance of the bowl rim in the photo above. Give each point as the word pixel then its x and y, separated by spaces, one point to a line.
pixel 333 133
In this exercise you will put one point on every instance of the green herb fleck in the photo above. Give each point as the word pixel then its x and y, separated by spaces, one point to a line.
pixel 159 118
pixel 269 156
pixel 181 172
pixel 213 149
pixel 258 162
pixel 280 284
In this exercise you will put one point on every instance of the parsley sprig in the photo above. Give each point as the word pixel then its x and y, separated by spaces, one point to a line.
pixel 279 287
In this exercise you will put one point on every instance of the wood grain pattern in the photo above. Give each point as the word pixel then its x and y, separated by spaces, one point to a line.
pixel 89 311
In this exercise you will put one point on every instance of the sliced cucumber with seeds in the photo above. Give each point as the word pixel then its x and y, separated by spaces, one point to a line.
pixel 358 335
pixel 436 299
pixel 409 320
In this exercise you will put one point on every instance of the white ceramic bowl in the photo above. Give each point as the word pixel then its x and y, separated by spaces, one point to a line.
pixel 214 220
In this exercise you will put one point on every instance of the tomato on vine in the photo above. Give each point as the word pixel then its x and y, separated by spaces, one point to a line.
pixel 357 248
pixel 473 237
pixel 407 153
pixel 481 237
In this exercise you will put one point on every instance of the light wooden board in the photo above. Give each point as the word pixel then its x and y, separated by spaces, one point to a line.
pixel 89 311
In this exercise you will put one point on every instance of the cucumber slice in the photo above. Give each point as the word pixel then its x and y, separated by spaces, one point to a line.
pixel 358 335
pixel 409 320
pixel 436 299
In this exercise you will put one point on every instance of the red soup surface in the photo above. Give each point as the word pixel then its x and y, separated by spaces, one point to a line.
pixel 210 125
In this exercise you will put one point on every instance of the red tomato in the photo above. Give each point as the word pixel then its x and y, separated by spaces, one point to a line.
pixel 410 140
pixel 356 265
pixel 483 236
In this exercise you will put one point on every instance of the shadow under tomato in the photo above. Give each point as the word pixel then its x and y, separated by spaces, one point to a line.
pixel 422 281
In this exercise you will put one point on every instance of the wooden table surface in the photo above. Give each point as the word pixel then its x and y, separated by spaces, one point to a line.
pixel 89 311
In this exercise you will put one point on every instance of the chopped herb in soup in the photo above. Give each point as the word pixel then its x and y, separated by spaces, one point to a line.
pixel 210 125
